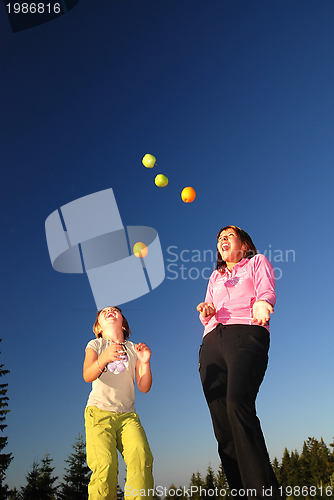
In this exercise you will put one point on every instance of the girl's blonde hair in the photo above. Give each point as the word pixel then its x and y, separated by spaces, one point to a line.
pixel 125 324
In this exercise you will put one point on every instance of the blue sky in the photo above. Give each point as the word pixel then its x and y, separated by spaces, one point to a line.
pixel 234 98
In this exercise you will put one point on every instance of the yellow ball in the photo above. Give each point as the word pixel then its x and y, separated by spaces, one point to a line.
pixel 140 249
pixel 161 180
pixel 149 161
pixel 188 194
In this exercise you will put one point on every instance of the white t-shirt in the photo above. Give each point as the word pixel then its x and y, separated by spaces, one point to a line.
pixel 114 390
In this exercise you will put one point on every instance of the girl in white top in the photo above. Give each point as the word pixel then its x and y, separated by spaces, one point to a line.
pixel 112 363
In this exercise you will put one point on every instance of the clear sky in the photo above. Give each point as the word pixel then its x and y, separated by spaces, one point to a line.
pixel 234 98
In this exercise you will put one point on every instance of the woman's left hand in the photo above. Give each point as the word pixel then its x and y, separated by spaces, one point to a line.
pixel 261 312
pixel 143 352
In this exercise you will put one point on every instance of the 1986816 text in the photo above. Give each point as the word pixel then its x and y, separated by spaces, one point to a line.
pixel 33 8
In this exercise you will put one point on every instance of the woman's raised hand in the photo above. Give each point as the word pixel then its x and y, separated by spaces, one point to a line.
pixel 261 312
pixel 206 309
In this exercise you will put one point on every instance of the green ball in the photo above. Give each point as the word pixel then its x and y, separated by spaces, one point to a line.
pixel 161 180
pixel 149 161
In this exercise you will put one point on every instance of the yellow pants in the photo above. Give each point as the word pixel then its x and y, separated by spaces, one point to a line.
pixel 107 432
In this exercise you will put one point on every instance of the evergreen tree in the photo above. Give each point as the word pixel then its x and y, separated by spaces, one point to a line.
pixel 295 470
pixel 5 458
pixel 313 468
pixel 14 495
pixel 209 482
pixel 75 481
pixel 316 463
pixel 221 483
pixel 197 481
pixel 276 468
pixel 40 483
pixel 289 472
pixel 47 490
pixel 285 469
pixel 30 491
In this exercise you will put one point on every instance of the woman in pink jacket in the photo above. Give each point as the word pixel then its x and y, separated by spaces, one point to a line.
pixel 233 359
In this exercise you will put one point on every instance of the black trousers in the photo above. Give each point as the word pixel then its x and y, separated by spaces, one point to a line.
pixel 232 363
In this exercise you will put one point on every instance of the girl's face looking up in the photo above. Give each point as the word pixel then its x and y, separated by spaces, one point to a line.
pixel 230 246
pixel 110 316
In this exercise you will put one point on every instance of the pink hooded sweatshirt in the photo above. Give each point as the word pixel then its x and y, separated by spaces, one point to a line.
pixel 234 293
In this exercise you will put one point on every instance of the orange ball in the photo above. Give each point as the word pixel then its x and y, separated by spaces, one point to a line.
pixel 188 194
pixel 140 249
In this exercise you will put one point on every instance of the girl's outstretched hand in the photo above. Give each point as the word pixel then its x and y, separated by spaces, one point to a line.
pixel 143 352
pixel 143 369
pixel 261 312
pixel 206 309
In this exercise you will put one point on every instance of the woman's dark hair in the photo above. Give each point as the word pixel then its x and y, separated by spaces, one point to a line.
pixel 125 324
pixel 245 238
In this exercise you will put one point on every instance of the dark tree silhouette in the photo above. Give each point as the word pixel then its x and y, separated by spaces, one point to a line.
pixel 40 482
pixel 76 479
pixel 5 458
